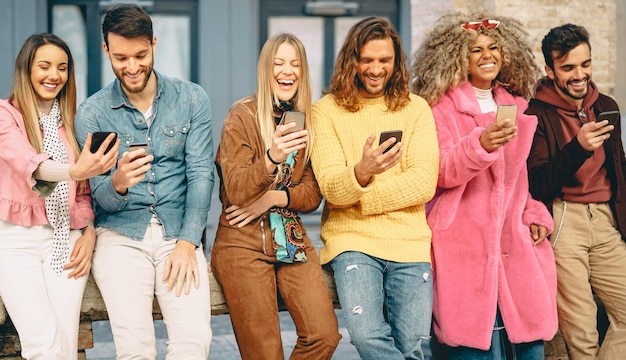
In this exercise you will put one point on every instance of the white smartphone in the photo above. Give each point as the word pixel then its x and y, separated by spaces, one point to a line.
pixel 506 112
pixel 295 117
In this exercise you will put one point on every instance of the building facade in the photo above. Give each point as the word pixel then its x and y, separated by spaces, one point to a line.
pixel 216 42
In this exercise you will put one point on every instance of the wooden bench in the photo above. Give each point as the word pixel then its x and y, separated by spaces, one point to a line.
pixel 93 309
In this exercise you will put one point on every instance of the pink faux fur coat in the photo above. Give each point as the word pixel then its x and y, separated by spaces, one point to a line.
pixel 483 253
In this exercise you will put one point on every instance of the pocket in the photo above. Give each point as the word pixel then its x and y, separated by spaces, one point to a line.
pixel 174 136
pixel 125 140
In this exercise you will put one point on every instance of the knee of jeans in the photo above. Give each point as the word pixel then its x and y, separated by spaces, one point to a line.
pixel 361 338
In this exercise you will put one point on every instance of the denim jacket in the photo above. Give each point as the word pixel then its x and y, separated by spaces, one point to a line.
pixel 177 189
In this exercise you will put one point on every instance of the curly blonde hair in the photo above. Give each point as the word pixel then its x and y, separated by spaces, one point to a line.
pixel 435 70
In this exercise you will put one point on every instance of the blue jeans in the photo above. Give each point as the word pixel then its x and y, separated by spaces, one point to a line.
pixel 501 348
pixel 387 306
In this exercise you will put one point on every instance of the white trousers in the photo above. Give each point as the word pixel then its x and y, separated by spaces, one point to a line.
pixel 44 306
pixel 128 274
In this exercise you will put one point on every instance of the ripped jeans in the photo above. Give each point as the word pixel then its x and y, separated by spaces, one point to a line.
pixel 387 305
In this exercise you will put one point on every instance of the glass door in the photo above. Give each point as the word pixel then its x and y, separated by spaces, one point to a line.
pixel 322 27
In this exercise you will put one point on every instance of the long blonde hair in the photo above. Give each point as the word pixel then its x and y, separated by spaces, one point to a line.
pixel 265 98
pixel 23 95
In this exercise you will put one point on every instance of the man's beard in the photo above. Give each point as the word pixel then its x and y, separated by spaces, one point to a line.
pixel 140 87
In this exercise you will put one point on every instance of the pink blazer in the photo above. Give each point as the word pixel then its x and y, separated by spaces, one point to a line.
pixel 19 203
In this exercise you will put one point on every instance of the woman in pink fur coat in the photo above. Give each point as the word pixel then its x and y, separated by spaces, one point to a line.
pixel 494 272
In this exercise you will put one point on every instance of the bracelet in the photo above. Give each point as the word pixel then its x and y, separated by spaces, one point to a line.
pixel 270 158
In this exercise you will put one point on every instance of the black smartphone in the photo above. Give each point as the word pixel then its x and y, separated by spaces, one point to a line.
pixel 386 135
pixel 293 116
pixel 135 146
pixel 98 138
pixel 611 116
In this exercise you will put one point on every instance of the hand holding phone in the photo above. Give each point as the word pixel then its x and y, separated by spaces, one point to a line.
pixel 136 146
pixel 297 117
pixel 98 138
pixel 386 135
pixel 506 112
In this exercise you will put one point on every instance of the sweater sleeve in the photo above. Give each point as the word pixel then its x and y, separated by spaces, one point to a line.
pixel 331 165
pixel 414 179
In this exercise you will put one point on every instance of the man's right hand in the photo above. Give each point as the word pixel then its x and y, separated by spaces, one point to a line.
pixel 131 169
pixel 593 134
pixel 375 161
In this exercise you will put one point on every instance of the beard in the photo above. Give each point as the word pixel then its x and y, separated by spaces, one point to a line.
pixel 576 95
pixel 374 91
pixel 134 89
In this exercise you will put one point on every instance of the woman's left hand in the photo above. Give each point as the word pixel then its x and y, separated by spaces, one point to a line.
pixel 243 216
pixel 538 233
pixel 80 259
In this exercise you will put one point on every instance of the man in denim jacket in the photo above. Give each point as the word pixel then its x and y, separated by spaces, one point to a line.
pixel 151 210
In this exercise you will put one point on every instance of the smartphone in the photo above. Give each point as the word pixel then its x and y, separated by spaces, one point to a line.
pixel 293 116
pixel 611 116
pixel 386 135
pixel 506 112
pixel 98 138
pixel 135 146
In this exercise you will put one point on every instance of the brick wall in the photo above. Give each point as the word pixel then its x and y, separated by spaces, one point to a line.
pixel 599 17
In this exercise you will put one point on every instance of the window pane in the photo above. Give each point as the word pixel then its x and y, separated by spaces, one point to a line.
pixel 342 25
pixel 68 24
pixel 310 30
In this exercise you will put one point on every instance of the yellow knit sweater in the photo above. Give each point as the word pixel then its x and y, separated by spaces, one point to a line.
pixel 386 218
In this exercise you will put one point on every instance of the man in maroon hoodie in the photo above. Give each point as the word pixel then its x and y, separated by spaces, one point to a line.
pixel 576 167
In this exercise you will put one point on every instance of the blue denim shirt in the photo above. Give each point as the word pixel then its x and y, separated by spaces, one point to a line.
pixel 177 189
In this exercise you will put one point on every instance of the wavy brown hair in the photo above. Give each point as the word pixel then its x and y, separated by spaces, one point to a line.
pixel 344 83
pixel 442 60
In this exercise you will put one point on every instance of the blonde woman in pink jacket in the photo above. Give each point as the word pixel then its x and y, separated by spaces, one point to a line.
pixel 45 207
pixel 494 273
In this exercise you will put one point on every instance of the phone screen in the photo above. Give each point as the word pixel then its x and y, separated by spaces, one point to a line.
pixel 293 116
pixel 506 112
pixel 135 146
pixel 386 135
pixel 611 116
pixel 98 138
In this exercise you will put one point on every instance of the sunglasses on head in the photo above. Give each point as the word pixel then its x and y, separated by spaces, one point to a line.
pixel 475 25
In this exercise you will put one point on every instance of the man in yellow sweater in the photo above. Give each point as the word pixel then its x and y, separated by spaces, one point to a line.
pixel 374 224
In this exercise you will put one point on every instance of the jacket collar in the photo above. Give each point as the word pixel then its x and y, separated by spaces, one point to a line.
pixel 465 101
